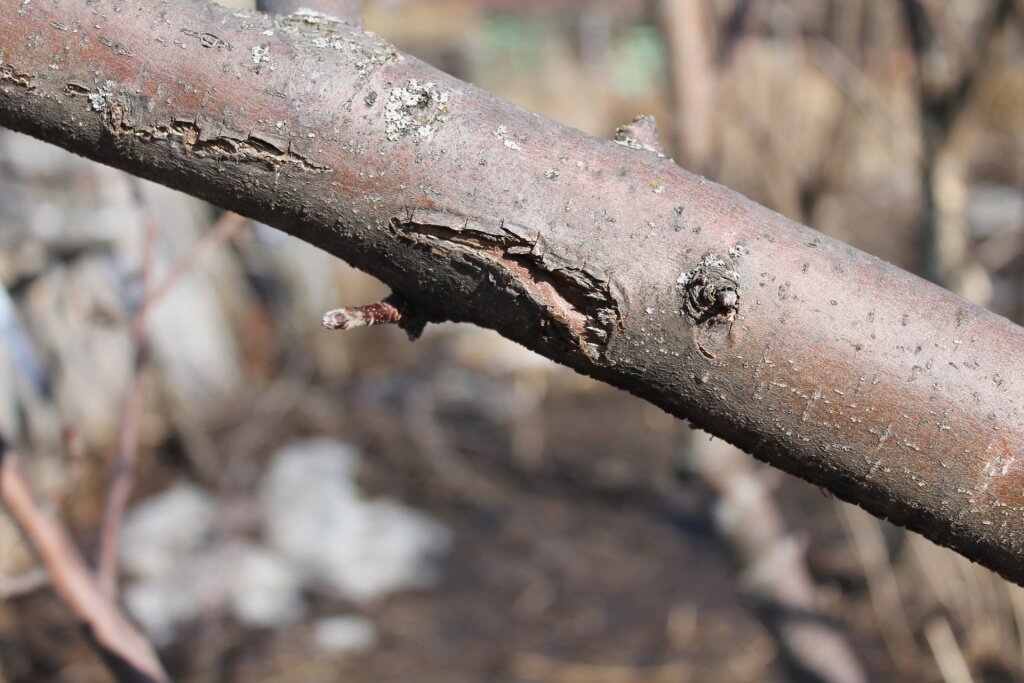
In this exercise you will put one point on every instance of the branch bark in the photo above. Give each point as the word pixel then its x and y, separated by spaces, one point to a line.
pixel 29 582
pixel 818 358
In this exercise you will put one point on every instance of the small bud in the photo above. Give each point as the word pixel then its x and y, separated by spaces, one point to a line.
pixel 361 316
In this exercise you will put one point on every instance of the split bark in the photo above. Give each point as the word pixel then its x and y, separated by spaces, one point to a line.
pixel 822 360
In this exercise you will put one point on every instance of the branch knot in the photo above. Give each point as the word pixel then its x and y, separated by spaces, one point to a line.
pixel 710 290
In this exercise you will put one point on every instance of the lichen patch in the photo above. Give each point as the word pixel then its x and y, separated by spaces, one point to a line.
pixel 260 54
pixel 501 132
pixel 313 17
pixel 103 97
pixel 365 50
pixel 416 110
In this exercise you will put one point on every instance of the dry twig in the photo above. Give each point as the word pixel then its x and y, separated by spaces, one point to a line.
pixel 123 478
pixel 125 650
pixel 29 582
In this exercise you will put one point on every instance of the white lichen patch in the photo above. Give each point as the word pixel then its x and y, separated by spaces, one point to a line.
pixel 708 261
pixel 260 54
pixel 502 134
pixel 103 98
pixel 365 60
pixel 311 16
pixel 364 49
pixel 627 141
pixel 999 467
pixel 416 110
pixel 621 138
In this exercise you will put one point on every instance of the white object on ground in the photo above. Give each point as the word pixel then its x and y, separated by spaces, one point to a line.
pixel 344 634
pixel 320 531
pixel 355 548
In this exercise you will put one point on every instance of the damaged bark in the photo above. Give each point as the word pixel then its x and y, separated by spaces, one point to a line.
pixel 813 356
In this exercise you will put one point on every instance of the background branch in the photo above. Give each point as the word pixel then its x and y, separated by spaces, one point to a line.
pixel 692 79
pixel 126 651
pixel 30 581
pixel 123 477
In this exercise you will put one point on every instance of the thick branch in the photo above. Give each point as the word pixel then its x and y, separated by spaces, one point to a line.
pixel 816 357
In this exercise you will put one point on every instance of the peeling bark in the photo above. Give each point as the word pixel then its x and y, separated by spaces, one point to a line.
pixel 822 360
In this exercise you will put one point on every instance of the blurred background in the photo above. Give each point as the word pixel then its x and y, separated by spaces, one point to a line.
pixel 317 506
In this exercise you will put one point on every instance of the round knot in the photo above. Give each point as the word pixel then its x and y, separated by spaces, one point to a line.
pixel 710 291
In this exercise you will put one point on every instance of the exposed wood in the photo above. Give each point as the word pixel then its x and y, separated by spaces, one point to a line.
pixel 820 359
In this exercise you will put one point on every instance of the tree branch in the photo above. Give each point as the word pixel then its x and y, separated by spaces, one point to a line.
pixel 820 359
pixel 126 651
pixel 692 79
pixel 23 584
pixel 122 480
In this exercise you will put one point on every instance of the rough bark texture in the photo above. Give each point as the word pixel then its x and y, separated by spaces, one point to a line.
pixel 818 358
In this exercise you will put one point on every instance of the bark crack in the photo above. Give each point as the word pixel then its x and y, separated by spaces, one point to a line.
pixel 9 73
pixel 575 300
pixel 201 137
